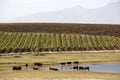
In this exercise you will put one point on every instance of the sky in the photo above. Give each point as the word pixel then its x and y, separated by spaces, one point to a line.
pixel 10 9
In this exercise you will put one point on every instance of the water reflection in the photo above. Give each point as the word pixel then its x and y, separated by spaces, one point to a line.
pixel 112 68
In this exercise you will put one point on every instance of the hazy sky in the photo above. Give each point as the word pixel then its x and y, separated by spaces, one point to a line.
pixel 16 8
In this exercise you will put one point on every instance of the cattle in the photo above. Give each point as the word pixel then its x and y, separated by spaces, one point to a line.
pixel 75 67
pixel 84 68
pixel 54 69
pixel 63 63
pixel 68 63
pixel 38 64
pixel 26 65
pixel 80 68
pixel 35 68
pixel 75 62
pixel 16 68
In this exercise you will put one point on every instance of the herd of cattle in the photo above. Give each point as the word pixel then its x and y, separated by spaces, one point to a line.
pixel 38 65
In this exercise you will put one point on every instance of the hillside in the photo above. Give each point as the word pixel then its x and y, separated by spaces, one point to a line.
pixel 92 29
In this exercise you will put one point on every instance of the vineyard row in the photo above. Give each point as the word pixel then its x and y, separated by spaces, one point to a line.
pixel 27 42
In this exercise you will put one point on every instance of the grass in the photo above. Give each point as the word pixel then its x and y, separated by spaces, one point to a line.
pixel 58 75
pixel 83 57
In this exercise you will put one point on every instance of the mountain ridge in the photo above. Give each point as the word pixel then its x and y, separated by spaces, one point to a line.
pixel 105 15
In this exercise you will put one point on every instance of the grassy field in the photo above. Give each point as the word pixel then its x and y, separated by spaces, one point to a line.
pixel 58 75
pixel 83 57
pixel 8 60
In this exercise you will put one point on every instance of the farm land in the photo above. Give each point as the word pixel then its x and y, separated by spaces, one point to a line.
pixel 53 43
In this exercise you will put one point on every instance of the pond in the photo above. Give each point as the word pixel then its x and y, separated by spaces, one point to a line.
pixel 111 68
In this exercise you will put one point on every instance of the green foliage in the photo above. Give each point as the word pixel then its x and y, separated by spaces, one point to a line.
pixel 27 42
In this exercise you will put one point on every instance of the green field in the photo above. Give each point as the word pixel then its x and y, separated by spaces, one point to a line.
pixel 52 58
pixel 39 42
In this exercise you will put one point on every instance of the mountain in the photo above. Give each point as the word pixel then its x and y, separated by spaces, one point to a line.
pixel 109 14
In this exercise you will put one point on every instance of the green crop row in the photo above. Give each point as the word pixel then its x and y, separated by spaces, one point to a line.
pixel 26 42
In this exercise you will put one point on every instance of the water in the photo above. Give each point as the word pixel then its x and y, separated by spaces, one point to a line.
pixel 110 68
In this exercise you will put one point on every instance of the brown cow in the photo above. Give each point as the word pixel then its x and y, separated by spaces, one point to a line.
pixel 54 69
pixel 35 68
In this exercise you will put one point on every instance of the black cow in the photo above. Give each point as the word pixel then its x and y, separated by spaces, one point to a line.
pixel 26 65
pixel 63 63
pixel 69 63
pixel 80 68
pixel 38 64
pixel 16 68
pixel 84 68
pixel 75 67
pixel 76 62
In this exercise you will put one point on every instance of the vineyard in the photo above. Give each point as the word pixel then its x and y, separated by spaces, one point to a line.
pixel 39 42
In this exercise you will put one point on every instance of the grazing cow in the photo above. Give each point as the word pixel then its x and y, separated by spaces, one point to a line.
pixel 75 67
pixel 80 68
pixel 54 69
pixel 75 62
pixel 69 63
pixel 16 68
pixel 84 68
pixel 63 63
pixel 38 64
pixel 26 65
pixel 35 68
